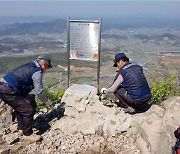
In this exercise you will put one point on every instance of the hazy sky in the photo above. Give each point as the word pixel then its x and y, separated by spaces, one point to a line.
pixel 90 8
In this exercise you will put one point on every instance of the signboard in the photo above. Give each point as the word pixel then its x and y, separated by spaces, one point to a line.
pixel 84 42
pixel 84 39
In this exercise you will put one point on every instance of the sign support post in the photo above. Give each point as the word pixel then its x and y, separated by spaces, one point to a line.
pixel 68 49
pixel 99 49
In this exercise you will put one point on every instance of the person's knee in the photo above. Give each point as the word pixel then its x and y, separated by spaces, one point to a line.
pixel 28 112
pixel 117 95
pixel 32 111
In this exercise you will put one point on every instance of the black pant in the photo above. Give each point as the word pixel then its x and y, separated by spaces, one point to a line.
pixel 24 110
pixel 126 100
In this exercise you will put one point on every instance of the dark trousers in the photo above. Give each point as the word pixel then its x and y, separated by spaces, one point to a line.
pixel 127 101
pixel 24 110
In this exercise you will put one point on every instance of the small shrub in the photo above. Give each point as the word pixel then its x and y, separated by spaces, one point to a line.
pixel 53 96
pixel 161 91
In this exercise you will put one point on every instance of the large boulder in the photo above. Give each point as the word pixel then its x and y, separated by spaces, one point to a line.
pixel 155 128
pixel 171 120
pixel 84 113
pixel 88 126
pixel 152 130
pixel 5 115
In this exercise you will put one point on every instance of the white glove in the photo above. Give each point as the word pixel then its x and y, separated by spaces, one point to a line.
pixel 48 103
pixel 103 95
pixel 103 90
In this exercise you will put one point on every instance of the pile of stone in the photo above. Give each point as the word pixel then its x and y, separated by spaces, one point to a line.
pixel 5 115
pixel 84 113
pixel 88 126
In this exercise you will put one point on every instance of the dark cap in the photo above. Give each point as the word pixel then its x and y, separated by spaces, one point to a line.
pixel 118 56
pixel 45 58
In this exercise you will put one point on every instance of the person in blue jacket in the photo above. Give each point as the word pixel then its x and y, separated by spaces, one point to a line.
pixel 17 84
pixel 130 85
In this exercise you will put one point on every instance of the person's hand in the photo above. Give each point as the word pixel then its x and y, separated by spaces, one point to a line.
pixel 48 103
pixel 102 95
pixel 103 90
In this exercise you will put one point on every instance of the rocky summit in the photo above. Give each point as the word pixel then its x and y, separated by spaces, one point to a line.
pixel 81 123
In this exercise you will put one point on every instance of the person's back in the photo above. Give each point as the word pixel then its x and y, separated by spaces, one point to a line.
pixel 130 85
pixel 134 81
pixel 15 86
pixel 20 79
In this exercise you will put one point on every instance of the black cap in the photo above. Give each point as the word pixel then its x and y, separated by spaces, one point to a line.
pixel 118 56
pixel 45 58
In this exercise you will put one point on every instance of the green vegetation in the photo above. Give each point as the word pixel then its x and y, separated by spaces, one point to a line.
pixel 9 63
pixel 50 81
pixel 82 79
pixel 53 96
pixel 161 91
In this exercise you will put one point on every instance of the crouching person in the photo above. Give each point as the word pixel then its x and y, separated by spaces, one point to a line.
pixel 130 86
pixel 15 86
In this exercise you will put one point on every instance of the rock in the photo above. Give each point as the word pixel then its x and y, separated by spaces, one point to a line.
pixel 15 148
pixel 63 147
pixel 88 126
pixel 80 107
pixel 148 128
pixel 96 147
pixel 81 93
pixel 5 151
pixel 1 127
pixel 67 126
pixel 99 108
pixel 11 138
pixel 44 110
pixel 125 124
pixel 143 142
pixel 5 114
pixel 154 129
pixel 169 124
pixel 92 117
pixel 98 125
pixel 13 127
pixel 71 112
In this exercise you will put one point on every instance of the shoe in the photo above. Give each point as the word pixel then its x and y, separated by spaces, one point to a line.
pixel 32 138
pixel 20 133
pixel 129 110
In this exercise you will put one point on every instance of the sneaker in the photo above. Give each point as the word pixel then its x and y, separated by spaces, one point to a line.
pixel 32 138
pixel 129 110
pixel 20 133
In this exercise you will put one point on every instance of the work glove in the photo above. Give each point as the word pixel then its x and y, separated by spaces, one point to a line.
pixel 48 103
pixel 102 94
pixel 103 90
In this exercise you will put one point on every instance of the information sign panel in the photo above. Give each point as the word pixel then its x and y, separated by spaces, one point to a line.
pixel 84 40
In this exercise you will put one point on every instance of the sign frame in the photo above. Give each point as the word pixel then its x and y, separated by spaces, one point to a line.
pixel 99 46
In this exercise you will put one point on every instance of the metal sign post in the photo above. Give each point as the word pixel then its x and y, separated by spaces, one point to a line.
pixel 68 49
pixel 84 42
pixel 99 49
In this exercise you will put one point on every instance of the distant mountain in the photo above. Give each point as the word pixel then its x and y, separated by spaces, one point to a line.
pixel 170 36
pixel 59 25
pixel 56 26
pixel 6 20
pixel 140 22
